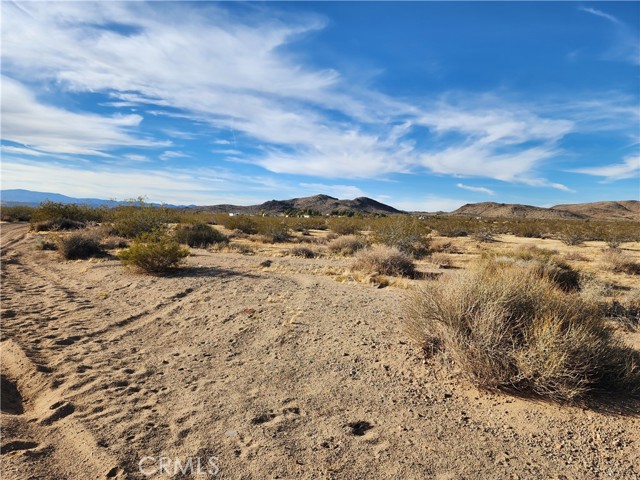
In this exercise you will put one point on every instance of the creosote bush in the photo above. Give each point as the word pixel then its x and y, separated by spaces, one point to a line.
pixel 384 260
pixel 78 246
pixel 155 252
pixel 199 235
pixel 507 328
pixel 404 232
pixel 347 245
pixel 345 225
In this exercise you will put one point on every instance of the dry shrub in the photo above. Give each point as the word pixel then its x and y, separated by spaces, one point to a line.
pixel 111 242
pixel 384 260
pixel 303 252
pixel 347 245
pixel 543 262
pixel 56 225
pixel 442 260
pixel 575 257
pixel 78 246
pixel 484 237
pixel 443 245
pixel 507 328
pixel 155 252
pixel 620 262
pixel 43 243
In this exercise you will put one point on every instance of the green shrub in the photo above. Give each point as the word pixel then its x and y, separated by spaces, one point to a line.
pixel 273 229
pixel 345 226
pixel 78 246
pixel 16 213
pixel 243 223
pixel 199 235
pixel 507 328
pixel 385 261
pixel 155 252
pixel 131 221
pixel 48 210
pixel 404 232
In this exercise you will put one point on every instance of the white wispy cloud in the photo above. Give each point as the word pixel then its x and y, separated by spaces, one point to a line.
pixel 169 154
pixel 476 189
pixel 629 168
pixel 50 129
pixel 601 14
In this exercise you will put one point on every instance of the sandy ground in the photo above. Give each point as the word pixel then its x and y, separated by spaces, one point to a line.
pixel 266 372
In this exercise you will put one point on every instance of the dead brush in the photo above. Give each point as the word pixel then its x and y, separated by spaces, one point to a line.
pixel 620 262
pixel 303 252
pixel 385 261
pixel 443 245
pixel 442 260
pixel 347 245
pixel 507 328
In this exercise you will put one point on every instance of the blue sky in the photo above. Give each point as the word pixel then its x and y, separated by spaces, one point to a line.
pixel 422 105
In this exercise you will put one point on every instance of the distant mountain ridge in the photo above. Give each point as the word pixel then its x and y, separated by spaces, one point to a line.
pixel 610 210
pixel 325 204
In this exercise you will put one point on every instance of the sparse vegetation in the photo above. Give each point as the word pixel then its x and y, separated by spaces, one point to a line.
pixel 507 328
pixel 155 252
pixel 199 235
pixel 386 261
pixel 78 246
pixel 274 230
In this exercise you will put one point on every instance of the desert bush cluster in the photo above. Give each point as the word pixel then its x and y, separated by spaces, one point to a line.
pixel 508 328
pixel 77 246
pixel 406 233
pixel 199 235
pixel 156 252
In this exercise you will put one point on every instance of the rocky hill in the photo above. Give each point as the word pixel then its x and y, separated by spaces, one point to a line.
pixel 622 210
pixel 322 204
pixel 511 210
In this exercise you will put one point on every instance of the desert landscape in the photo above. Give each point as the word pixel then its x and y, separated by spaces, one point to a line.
pixel 270 357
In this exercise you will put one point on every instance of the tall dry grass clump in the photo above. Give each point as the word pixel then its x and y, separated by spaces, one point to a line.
pixel 347 245
pixel 385 261
pixel 507 328
pixel 620 262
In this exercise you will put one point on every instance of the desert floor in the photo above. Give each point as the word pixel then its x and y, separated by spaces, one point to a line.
pixel 285 371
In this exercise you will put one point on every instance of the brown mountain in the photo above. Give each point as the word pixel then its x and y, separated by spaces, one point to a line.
pixel 320 203
pixel 511 210
pixel 622 210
